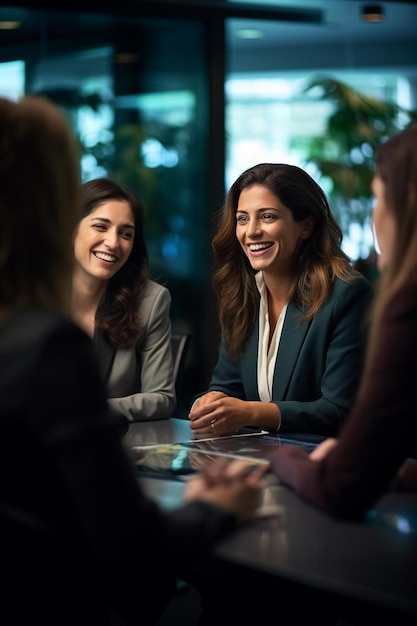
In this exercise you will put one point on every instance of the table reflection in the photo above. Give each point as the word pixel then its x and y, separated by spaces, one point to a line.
pixel 158 431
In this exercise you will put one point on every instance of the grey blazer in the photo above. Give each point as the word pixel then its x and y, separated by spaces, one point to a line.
pixel 140 379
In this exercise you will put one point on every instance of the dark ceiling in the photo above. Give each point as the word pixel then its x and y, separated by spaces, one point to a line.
pixel 283 22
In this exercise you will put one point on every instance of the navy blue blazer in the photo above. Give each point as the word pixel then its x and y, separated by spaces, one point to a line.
pixel 318 365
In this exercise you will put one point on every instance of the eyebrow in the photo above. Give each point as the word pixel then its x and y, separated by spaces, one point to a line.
pixel 107 221
pixel 259 210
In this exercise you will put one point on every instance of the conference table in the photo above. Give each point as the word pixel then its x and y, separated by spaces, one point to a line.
pixel 296 554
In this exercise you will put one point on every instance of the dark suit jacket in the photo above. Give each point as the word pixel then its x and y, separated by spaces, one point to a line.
pixel 318 365
pixel 78 538
pixel 380 432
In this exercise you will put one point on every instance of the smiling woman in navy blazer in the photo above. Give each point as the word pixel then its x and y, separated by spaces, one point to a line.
pixel 292 310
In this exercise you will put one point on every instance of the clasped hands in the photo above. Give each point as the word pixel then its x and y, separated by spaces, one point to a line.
pixel 232 485
pixel 216 414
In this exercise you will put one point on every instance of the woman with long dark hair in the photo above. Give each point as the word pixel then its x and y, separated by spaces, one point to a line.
pixel 80 541
pixel 126 314
pixel 346 475
pixel 291 310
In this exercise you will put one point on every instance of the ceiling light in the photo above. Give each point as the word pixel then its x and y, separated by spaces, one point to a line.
pixel 126 57
pixel 9 25
pixel 249 33
pixel 372 13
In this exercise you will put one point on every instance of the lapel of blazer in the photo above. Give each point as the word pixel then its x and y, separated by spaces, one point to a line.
pixel 105 353
pixel 292 337
pixel 249 368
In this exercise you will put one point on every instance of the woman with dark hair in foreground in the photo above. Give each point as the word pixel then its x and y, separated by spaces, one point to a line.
pixel 345 476
pixel 80 543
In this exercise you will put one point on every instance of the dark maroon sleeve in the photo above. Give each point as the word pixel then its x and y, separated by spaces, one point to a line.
pixel 406 479
pixel 377 436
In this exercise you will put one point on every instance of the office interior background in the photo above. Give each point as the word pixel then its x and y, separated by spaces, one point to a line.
pixel 177 98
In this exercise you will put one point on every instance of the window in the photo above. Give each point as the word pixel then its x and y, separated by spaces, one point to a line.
pixel 269 118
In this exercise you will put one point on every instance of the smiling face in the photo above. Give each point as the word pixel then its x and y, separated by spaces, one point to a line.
pixel 384 225
pixel 267 231
pixel 104 239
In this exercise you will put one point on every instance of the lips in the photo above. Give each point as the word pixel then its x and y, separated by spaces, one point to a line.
pixel 257 247
pixel 103 256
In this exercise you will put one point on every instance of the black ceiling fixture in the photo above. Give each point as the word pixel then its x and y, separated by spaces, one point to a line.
pixel 372 13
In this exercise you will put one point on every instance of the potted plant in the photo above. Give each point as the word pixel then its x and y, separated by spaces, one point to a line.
pixel 345 153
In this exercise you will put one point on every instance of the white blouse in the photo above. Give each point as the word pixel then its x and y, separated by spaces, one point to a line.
pixel 267 357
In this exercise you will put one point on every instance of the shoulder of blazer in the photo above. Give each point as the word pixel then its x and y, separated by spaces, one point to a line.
pixel 358 286
pixel 152 288
pixel 356 282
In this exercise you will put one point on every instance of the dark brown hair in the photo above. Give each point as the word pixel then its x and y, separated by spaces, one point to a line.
pixel 321 259
pixel 117 316
pixel 39 203
pixel 396 166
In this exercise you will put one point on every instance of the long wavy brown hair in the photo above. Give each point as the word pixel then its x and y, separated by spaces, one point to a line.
pixel 396 165
pixel 39 204
pixel 117 316
pixel 321 259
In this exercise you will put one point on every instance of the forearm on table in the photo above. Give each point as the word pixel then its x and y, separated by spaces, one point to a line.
pixel 264 415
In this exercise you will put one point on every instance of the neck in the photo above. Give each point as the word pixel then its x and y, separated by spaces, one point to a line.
pixel 86 294
pixel 278 287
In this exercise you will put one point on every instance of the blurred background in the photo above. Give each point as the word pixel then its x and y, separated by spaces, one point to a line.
pixel 176 99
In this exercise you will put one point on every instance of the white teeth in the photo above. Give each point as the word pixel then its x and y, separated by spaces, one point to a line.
pixel 254 247
pixel 105 257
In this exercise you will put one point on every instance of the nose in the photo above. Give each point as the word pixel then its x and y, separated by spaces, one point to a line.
pixel 112 239
pixel 254 228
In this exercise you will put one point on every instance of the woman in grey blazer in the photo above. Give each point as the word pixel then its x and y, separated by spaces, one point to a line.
pixel 291 310
pixel 126 314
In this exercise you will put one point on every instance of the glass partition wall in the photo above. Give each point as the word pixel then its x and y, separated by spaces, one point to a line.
pixel 168 98
pixel 137 94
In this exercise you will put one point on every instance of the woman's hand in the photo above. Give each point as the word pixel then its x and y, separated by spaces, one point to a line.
pixel 216 414
pixel 233 485
pixel 322 449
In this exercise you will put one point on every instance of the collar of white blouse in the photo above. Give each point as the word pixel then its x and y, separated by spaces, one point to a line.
pixel 267 352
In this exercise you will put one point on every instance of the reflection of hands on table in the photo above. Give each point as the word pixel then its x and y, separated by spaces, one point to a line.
pixel 199 460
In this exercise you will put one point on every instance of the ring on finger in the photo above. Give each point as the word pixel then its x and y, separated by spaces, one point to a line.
pixel 212 424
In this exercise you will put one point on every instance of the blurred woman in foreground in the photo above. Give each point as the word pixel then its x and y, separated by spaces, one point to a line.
pixel 345 476
pixel 80 543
